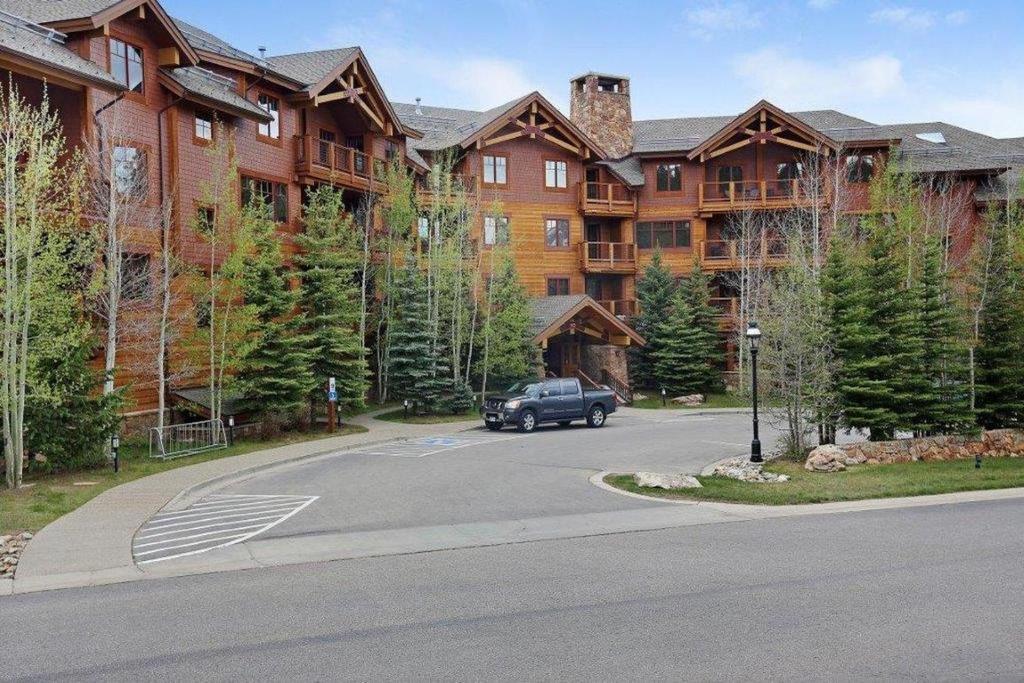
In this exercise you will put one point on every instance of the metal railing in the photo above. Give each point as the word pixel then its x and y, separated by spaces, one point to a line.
pixel 611 198
pixel 175 441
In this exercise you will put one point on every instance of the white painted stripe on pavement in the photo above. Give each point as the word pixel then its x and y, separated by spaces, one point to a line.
pixel 186 545
pixel 205 526
pixel 190 512
pixel 255 495
pixel 205 533
pixel 235 541
pixel 280 508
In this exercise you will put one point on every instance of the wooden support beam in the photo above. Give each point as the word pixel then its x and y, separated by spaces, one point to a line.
pixel 352 95
pixel 503 138
pixel 725 150
pixel 168 56
pixel 561 143
pixel 798 145
pixel 764 120
pixel 370 112
pixel 140 12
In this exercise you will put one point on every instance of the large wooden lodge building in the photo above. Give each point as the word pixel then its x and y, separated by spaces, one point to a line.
pixel 587 196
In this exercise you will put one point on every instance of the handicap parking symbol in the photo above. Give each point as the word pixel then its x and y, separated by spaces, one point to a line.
pixel 440 441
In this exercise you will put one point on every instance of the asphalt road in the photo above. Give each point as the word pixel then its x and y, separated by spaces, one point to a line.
pixel 520 476
pixel 917 593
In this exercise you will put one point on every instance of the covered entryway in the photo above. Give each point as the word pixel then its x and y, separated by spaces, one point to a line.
pixel 580 338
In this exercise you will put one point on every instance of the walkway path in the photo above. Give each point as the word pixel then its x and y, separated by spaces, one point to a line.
pixel 93 544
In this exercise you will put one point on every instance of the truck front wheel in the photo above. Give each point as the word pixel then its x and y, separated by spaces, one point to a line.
pixel 527 421
pixel 595 418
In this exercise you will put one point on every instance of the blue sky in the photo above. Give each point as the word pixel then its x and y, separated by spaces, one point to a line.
pixel 887 62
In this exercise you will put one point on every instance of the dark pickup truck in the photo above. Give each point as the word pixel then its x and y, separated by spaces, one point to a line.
pixel 527 404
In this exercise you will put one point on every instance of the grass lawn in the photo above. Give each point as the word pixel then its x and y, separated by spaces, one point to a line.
pixel 653 400
pixel 50 496
pixel 855 483
pixel 399 416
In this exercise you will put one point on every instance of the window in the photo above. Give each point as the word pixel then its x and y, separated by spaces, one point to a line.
pixel 136 282
pixel 670 177
pixel 390 150
pixel 204 219
pixel 495 170
pixel 554 174
pixel 553 388
pixel 270 105
pixel 130 171
pixel 204 126
pixel 495 230
pixel 556 232
pixel 126 64
pixel 558 285
pixel 664 234
pixel 268 193
pixel 859 168
pixel 790 170
pixel 608 85
pixel 730 174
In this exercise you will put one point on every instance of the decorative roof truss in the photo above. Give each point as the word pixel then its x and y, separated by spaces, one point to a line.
pixel 535 122
pixel 760 125
pixel 353 86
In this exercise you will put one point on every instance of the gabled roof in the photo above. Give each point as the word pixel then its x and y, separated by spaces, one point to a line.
pixel 549 313
pixel 734 126
pixel 628 169
pixel 44 50
pixel 80 15
pixel 444 127
pixel 212 90
pixel 312 69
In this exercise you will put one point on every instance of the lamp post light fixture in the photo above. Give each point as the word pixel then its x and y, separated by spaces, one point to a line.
pixel 663 397
pixel 754 337
pixel 115 445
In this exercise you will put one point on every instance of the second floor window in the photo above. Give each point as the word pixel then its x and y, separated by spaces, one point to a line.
pixel 555 174
pixel 558 285
pixel 664 234
pixel 204 126
pixel 136 276
pixel 126 64
pixel 859 168
pixel 130 176
pixel 790 170
pixel 390 150
pixel 269 104
pixel 670 177
pixel 556 232
pixel 268 193
pixel 495 170
pixel 495 230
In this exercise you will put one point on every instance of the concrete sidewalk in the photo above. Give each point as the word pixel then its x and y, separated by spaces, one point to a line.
pixel 93 544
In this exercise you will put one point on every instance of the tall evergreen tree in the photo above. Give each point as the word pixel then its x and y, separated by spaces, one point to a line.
pixel 274 376
pixel 681 364
pixel 411 350
pixel 654 292
pixel 697 291
pixel 510 353
pixel 944 406
pixel 842 296
pixel 1000 363
pixel 329 266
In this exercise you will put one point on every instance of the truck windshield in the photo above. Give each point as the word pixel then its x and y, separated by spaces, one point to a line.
pixel 531 389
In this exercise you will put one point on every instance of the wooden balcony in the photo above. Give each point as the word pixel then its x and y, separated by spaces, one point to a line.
pixel 727 308
pixel 330 162
pixel 728 254
pixel 623 308
pixel 750 194
pixel 470 184
pixel 606 199
pixel 607 257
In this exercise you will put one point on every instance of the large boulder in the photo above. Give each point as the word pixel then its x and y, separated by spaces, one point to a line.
pixel 827 458
pixel 689 400
pixel 665 481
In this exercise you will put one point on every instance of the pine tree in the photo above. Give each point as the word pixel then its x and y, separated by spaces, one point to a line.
pixel 945 406
pixel 697 291
pixel 843 303
pixel 411 354
pixel 654 291
pixel 274 377
pixel 510 352
pixel 680 362
pixel 329 297
pixel 1000 363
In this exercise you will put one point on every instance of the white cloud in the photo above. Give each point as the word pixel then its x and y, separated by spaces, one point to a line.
pixel 799 83
pixel 484 81
pixel 718 17
pixel 996 111
pixel 904 17
pixel 820 4
pixel 957 17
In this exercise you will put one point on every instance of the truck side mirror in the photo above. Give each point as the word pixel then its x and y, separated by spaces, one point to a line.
pixel 545 393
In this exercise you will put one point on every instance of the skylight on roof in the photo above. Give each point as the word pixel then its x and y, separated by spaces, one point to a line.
pixel 936 137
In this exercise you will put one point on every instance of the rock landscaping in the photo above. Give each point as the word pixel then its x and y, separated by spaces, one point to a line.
pixel 665 481
pixel 689 400
pixel 11 548
pixel 742 469
pixel 997 443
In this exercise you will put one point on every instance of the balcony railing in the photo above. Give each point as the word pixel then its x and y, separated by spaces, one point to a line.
pixel 606 199
pixel 624 308
pixel 745 194
pixel 607 257
pixel 459 183
pixel 725 306
pixel 731 253
pixel 333 161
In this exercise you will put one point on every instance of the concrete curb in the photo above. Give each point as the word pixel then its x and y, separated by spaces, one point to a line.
pixel 772 511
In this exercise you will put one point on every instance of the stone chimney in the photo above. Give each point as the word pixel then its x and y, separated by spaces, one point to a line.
pixel 599 105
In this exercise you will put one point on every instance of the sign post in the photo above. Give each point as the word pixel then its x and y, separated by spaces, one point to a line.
pixel 332 400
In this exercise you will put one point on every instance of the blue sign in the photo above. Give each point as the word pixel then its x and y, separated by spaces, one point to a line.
pixel 332 395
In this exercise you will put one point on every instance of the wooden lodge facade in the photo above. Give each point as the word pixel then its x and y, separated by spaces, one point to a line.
pixel 587 195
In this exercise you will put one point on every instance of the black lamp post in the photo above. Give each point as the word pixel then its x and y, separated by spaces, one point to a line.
pixel 115 446
pixel 754 336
